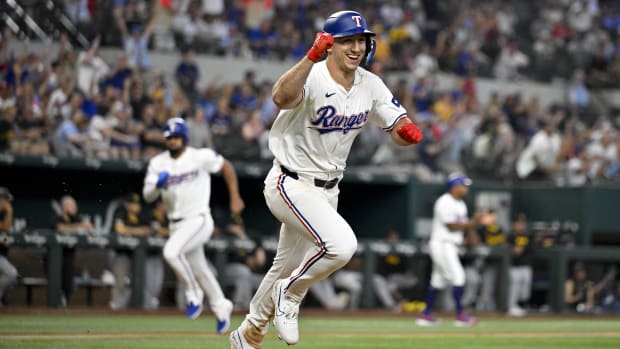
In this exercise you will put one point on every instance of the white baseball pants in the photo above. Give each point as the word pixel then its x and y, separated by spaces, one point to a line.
pixel 520 284
pixel 447 267
pixel 184 252
pixel 314 240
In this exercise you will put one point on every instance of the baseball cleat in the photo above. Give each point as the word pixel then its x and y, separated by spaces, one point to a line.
pixel 286 316
pixel 237 341
pixel 193 310
pixel 427 320
pixel 222 314
pixel 464 320
pixel 247 337
pixel 517 311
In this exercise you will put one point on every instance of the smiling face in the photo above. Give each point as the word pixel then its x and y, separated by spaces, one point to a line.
pixel 348 52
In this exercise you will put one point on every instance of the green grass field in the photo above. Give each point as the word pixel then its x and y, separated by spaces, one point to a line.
pixel 60 330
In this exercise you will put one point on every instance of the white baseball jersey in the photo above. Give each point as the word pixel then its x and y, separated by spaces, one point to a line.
pixel 448 210
pixel 188 189
pixel 316 136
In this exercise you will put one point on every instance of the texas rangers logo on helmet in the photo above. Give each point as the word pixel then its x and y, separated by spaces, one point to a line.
pixel 176 127
pixel 358 20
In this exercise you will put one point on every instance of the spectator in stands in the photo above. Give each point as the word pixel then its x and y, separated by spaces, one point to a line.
pixel 578 168
pixel 67 220
pixel 510 61
pixel 219 35
pixel 264 39
pixel 31 133
pixel 138 99
pixel 8 129
pixel 8 273
pixel 199 132
pixel 59 96
pixel 252 130
pixel 90 68
pixel 601 151
pixel 578 94
pixel 129 221
pixel 151 138
pixel 190 29
pixel 432 146
pixel 118 77
pixel 187 75
pixel 78 12
pixel 521 244
pixel 125 133
pixel 540 160
pixel 221 125
pixel 72 137
pixel 136 38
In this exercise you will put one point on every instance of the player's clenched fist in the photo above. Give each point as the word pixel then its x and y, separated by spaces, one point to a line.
pixel 162 179
pixel 411 133
pixel 322 43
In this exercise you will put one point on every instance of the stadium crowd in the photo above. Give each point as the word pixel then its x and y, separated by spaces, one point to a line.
pixel 75 104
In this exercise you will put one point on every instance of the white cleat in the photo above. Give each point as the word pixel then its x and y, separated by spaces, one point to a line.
pixel 517 311
pixel 238 341
pixel 427 320
pixel 464 320
pixel 286 315
pixel 222 313
pixel 247 337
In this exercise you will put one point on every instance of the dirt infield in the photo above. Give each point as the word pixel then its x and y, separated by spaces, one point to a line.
pixel 316 335
pixel 309 313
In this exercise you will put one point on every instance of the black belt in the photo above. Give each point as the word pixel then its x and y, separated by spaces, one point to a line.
pixel 321 183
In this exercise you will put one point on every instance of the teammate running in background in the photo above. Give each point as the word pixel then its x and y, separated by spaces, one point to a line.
pixel 450 222
pixel 324 105
pixel 182 176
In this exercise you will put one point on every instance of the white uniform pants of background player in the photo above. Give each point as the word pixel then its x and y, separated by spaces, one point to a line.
pixel 520 285
pixel 447 267
pixel 153 281
pixel 314 240
pixel 184 252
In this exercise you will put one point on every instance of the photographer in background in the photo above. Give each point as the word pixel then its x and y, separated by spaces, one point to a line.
pixel 8 273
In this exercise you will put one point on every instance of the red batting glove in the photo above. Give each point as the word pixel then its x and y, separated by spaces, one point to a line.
pixel 410 133
pixel 322 42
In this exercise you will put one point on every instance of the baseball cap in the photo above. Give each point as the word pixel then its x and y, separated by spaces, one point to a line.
pixel 5 193
pixel 457 178
pixel 132 198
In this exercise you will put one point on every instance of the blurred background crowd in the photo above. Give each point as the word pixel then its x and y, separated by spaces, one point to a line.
pixel 74 103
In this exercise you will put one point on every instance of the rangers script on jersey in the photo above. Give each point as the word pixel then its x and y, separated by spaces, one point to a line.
pixel 316 136
pixel 188 189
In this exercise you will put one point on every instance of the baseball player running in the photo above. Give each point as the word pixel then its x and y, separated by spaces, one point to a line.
pixel 182 176
pixel 324 105
pixel 450 221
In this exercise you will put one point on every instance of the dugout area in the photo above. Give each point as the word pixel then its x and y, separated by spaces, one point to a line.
pixel 371 201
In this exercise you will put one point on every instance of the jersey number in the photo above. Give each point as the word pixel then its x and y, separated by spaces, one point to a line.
pixel 395 102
